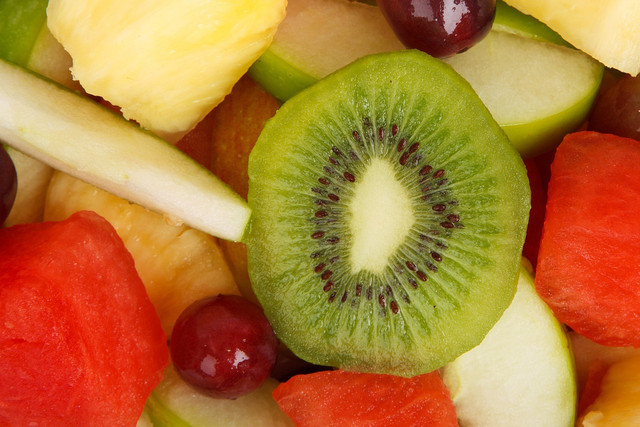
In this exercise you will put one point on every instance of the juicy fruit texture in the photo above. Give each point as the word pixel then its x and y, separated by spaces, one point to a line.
pixel 224 346
pixel 80 343
pixel 8 185
pixel 175 403
pixel 521 374
pixel 617 110
pixel 618 403
pixel 389 217
pixel 440 28
pixel 237 123
pixel 133 164
pixel 344 398
pixel 165 73
pixel 537 92
pixel 587 265
pixel 511 20
pixel 297 57
pixel 608 31
pixel 177 264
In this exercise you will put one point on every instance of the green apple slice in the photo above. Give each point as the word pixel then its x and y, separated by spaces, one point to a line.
pixel 511 20
pixel 318 37
pixel 20 24
pixel 175 404
pixel 77 136
pixel 537 91
pixel 522 374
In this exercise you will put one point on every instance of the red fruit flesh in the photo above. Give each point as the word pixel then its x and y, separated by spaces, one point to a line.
pixel 341 398
pixel 587 269
pixel 80 342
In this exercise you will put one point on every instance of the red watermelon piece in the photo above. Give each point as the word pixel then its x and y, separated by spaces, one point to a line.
pixel 588 268
pixel 341 398
pixel 80 342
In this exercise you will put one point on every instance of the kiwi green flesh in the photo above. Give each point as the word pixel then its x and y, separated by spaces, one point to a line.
pixel 414 301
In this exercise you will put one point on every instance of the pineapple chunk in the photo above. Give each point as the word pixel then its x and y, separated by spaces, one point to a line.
pixel 166 63
pixel 619 401
pixel 177 264
pixel 608 30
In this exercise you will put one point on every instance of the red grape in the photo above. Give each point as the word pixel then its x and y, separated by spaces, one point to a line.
pixel 8 185
pixel 224 346
pixel 617 110
pixel 440 28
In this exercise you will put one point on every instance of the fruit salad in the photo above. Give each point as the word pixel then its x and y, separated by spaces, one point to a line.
pixel 319 212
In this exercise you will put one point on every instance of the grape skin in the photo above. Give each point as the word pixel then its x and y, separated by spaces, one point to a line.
pixel 440 28
pixel 224 346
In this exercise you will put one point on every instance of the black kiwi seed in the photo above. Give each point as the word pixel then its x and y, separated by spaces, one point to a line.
pixel 389 213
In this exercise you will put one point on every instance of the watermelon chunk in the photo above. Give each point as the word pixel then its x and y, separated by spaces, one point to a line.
pixel 588 264
pixel 80 342
pixel 341 398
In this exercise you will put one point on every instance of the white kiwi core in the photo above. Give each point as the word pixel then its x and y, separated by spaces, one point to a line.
pixel 381 215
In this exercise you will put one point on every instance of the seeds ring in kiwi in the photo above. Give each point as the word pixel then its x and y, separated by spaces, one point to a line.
pixel 389 216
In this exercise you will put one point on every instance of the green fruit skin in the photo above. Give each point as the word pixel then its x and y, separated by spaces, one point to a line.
pixel 534 138
pixel 20 24
pixel 279 77
pixel 273 274
pixel 511 20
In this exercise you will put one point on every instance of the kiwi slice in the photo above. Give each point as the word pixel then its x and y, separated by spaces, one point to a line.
pixel 389 214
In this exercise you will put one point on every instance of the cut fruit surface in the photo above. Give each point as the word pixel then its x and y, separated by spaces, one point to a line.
pixel 174 403
pixel 177 264
pixel 165 63
pixel 521 374
pixel 590 248
pixel 406 301
pixel 80 342
pixel 340 398
pixel 608 31
pixel 69 132
pixel 537 91
pixel 618 403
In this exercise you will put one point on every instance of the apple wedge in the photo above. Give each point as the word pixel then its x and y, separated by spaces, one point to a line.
pixel 537 91
pixel 73 134
pixel 521 374
pixel 175 403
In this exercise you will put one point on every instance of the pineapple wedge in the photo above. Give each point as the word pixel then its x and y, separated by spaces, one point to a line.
pixel 177 264
pixel 619 401
pixel 166 63
pixel 608 30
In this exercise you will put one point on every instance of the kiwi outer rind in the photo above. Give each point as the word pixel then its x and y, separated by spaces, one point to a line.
pixel 434 100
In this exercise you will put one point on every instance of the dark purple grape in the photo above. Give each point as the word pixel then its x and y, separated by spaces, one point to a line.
pixel 440 28
pixel 223 346
pixel 8 185
pixel 617 110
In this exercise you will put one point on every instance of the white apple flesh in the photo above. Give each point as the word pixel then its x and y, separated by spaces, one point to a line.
pixel 77 136
pixel 522 374
pixel 537 91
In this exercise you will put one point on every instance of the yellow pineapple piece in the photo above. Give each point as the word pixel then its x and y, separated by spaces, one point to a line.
pixel 619 401
pixel 166 63
pixel 177 264
pixel 608 30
